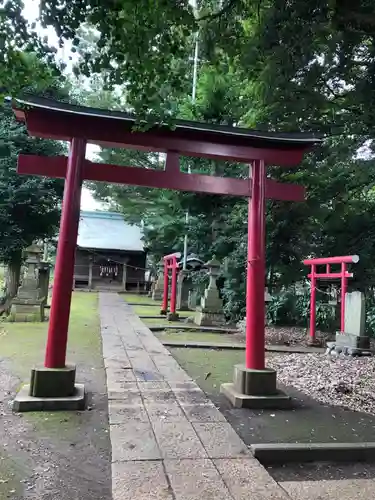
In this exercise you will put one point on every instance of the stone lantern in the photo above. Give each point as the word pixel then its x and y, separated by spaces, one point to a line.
pixel 210 312
pixel 29 303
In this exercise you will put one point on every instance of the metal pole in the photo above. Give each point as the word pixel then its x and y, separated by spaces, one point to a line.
pixel 195 69
pixel 64 269
pixel 255 308
pixel 313 303
pixel 193 96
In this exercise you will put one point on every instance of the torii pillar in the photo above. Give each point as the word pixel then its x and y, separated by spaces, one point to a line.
pixel 254 385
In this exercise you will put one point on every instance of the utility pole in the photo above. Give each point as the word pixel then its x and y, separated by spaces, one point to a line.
pixel 193 96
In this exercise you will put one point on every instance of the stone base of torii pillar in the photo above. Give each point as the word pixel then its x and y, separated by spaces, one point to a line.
pixel 255 389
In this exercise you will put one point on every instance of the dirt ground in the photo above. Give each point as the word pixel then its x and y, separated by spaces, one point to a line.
pixel 61 455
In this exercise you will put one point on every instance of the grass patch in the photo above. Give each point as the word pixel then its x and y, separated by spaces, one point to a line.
pixel 155 311
pixel 24 343
pixel 203 336
pixel 208 367
pixel 159 322
pixel 24 346
pixel 138 299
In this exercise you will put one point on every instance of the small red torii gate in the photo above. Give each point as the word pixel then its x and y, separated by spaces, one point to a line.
pixel 343 275
pixel 81 125
pixel 170 262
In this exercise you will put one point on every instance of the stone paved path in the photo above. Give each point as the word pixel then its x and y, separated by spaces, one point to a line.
pixel 169 442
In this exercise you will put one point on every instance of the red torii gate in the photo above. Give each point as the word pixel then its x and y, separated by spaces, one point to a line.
pixel 343 275
pixel 81 125
pixel 170 262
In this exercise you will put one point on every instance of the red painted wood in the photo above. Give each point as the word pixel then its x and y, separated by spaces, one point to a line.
pixel 313 303
pixel 332 260
pixel 64 268
pixel 164 306
pixel 255 284
pixel 55 166
pixel 331 275
pixel 344 288
pixel 106 131
pixel 343 275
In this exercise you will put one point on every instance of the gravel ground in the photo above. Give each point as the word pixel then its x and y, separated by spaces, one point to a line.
pixel 287 335
pixel 55 456
pixel 340 380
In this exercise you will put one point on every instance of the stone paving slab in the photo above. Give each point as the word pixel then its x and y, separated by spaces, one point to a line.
pixel 133 441
pixel 196 480
pixel 122 413
pixel 203 413
pixel 169 441
pixel 140 480
pixel 220 440
pixel 178 440
pixel 167 412
pixel 246 479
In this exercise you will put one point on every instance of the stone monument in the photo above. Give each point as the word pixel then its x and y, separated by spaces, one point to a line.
pixel 43 279
pixel 353 340
pixel 183 285
pixel 29 303
pixel 210 312
pixel 192 300
pixel 158 289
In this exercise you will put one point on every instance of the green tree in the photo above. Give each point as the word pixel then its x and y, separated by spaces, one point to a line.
pixel 29 205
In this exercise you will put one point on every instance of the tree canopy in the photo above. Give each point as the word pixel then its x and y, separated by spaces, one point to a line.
pixel 272 65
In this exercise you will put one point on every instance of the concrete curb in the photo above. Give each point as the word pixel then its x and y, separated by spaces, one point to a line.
pixel 239 347
pixel 280 453
pixel 192 327
pixel 202 345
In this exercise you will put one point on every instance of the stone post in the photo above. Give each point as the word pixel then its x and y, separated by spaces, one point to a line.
pixel 353 339
pixel 124 276
pixel 43 280
pixel 29 303
pixel 182 291
pixel 158 290
pixel 192 300
pixel 210 312
pixel 90 272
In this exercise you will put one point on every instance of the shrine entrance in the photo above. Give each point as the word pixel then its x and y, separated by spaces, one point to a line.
pixel 254 385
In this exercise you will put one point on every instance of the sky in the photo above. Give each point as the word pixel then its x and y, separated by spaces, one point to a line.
pixel 31 12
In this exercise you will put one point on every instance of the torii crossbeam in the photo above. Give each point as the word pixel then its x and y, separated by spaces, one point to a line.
pixel 81 125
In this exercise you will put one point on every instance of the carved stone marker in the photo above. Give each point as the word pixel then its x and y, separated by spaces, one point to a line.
pixel 158 290
pixel 43 279
pixel 29 303
pixel 183 285
pixel 353 340
pixel 210 312
pixel 192 300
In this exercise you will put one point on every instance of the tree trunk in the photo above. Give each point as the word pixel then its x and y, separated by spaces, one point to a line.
pixel 13 278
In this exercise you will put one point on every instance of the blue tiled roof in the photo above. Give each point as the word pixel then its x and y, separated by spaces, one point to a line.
pixel 108 231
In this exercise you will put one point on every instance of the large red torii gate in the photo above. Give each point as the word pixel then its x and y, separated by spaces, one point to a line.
pixel 81 125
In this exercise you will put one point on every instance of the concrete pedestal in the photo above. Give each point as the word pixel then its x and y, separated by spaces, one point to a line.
pixel 50 390
pixel 172 316
pixel 207 318
pixel 255 389
pixel 25 311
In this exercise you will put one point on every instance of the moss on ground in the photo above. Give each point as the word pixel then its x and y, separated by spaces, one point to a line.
pixel 191 336
pixel 24 345
pixel 208 367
